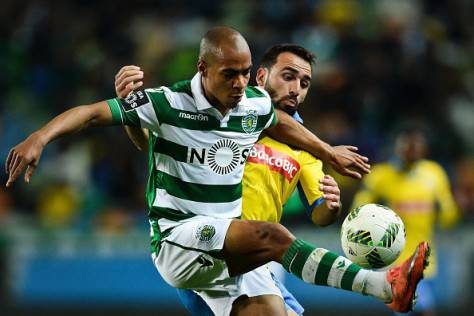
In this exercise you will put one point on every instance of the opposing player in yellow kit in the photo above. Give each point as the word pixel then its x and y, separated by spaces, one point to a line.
pixel 273 169
pixel 413 187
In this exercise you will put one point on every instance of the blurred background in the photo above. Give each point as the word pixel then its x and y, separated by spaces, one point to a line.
pixel 75 240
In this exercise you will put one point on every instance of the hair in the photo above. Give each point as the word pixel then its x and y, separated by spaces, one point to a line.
pixel 270 57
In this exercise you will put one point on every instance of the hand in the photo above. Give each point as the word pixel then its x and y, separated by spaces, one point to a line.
pixel 24 155
pixel 331 192
pixel 346 161
pixel 126 80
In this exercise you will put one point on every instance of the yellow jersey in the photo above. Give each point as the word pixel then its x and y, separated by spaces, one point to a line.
pixel 413 194
pixel 272 172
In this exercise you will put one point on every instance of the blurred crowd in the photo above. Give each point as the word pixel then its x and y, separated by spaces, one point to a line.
pixel 380 64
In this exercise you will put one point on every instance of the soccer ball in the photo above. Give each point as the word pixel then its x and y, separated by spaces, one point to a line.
pixel 372 236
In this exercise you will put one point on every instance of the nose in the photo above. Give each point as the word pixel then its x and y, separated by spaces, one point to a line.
pixel 240 82
pixel 295 88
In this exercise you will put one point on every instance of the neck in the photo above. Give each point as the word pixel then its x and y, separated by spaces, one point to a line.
pixel 213 101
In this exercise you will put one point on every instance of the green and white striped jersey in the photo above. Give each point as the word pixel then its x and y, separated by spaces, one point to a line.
pixel 197 156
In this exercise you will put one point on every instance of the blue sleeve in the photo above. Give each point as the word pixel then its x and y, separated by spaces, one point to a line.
pixel 304 200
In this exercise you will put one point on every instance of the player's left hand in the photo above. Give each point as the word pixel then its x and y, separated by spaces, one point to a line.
pixel 331 192
pixel 25 155
pixel 128 79
pixel 346 161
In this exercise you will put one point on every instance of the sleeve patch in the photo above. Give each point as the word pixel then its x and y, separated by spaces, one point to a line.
pixel 134 100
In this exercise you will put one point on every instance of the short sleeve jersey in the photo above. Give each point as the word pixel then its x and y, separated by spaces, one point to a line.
pixel 272 173
pixel 197 154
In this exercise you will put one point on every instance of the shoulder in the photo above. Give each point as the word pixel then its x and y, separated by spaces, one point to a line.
pixel 256 92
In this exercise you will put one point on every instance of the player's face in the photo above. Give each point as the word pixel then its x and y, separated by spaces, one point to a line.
pixel 288 81
pixel 226 77
pixel 411 147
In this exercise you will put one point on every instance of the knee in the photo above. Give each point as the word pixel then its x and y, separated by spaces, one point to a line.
pixel 276 236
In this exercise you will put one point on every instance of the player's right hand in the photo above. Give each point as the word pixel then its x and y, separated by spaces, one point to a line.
pixel 348 162
pixel 128 79
pixel 25 155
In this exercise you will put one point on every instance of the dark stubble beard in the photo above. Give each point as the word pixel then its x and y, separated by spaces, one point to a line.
pixel 279 103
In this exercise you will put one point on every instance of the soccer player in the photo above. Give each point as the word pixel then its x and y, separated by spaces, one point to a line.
pixel 413 186
pixel 204 130
pixel 273 169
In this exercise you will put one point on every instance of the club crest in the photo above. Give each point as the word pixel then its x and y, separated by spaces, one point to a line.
pixel 249 121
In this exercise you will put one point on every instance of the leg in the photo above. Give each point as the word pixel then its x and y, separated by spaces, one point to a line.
pixel 258 305
pixel 250 244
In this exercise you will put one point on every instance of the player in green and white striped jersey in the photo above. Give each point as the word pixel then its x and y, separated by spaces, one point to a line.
pixel 194 188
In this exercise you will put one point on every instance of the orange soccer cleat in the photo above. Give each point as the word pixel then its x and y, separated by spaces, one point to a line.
pixel 404 279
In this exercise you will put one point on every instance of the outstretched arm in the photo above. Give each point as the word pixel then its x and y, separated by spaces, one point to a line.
pixel 343 159
pixel 27 154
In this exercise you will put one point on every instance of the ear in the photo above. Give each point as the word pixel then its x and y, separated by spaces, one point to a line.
pixel 202 67
pixel 262 76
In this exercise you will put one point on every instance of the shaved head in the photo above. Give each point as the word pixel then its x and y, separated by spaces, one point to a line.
pixel 218 40
pixel 224 63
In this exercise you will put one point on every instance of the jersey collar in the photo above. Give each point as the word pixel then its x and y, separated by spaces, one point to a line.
pixel 198 93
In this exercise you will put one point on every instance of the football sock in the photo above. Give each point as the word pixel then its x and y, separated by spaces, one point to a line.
pixel 322 267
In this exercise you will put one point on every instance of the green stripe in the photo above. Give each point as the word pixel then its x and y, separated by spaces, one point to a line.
pixel 324 268
pixel 301 257
pixel 253 92
pixel 349 276
pixel 188 120
pixel 115 109
pixel 206 193
pixel 150 186
pixel 168 213
pixel 155 239
pixel 176 151
pixel 235 123
pixel 183 87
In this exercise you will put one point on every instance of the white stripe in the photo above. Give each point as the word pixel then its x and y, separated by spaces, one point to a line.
pixel 200 139
pixel 269 121
pixel 219 210
pixel 335 274
pixel 311 265
pixel 196 173
pixel 180 100
pixel 146 114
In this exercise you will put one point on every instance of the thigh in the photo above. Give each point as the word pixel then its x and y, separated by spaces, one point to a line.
pixel 250 244
pixel 259 305
pixel 185 258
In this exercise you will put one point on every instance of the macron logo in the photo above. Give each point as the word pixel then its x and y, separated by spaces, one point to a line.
pixel 194 117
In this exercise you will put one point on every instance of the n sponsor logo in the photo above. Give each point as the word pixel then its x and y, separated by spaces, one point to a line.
pixel 223 157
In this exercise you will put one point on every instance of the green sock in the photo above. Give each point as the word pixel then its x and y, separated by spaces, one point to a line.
pixel 322 267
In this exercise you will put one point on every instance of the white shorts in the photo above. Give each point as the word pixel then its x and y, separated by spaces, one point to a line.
pixel 185 261
pixel 254 283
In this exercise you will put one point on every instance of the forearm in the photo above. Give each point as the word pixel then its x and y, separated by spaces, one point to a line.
pixel 290 132
pixel 324 216
pixel 74 120
pixel 138 136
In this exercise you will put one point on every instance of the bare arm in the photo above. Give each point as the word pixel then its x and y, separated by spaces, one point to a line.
pixel 138 136
pixel 27 154
pixel 343 159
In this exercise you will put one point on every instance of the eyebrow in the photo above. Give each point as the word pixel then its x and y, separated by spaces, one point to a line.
pixel 295 71
pixel 231 70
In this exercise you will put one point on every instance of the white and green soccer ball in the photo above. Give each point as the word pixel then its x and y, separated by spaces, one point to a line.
pixel 372 236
